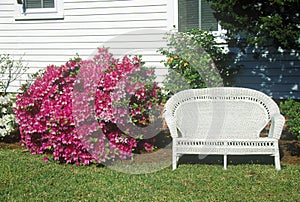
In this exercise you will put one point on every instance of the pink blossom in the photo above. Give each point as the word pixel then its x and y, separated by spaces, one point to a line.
pixel 46 159
pixel 54 119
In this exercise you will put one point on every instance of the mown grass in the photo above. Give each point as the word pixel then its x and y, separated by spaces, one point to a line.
pixel 25 177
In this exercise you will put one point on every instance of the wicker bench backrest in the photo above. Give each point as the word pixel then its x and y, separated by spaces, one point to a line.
pixel 221 113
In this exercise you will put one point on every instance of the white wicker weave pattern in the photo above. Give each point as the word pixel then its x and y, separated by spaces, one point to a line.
pixel 224 121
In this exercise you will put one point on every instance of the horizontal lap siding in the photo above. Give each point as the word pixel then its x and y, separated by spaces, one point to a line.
pixel 276 74
pixel 86 26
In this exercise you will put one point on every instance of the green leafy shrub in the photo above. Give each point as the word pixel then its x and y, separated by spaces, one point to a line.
pixel 10 71
pixel 195 60
pixel 291 110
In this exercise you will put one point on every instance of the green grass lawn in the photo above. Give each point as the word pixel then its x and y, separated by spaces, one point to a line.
pixel 25 177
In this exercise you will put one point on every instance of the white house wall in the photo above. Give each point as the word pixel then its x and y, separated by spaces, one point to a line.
pixel 127 26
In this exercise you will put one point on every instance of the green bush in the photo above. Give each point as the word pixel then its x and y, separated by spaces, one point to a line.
pixel 291 110
pixel 10 70
pixel 195 60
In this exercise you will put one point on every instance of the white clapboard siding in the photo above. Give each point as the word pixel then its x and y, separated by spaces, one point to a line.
pixel 55 32
pixel 128 27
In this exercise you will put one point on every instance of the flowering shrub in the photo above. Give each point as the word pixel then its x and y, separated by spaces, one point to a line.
pixel 10 70
pixel 7 117
pixel 194 60
pixel 90 110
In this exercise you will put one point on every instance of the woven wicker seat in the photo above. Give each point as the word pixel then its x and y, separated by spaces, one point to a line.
pixel 223 121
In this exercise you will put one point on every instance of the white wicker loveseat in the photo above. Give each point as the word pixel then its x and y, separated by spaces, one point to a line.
pixel 223 121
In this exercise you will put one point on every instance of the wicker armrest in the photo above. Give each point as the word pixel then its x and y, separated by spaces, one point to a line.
pixel 277 123
pixel 171 125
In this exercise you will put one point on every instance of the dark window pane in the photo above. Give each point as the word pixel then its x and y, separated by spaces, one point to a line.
pixel 33 4
pixel 196 14
pixel 208 21
pixel 188 14
pixel 48 4
pixel 39 3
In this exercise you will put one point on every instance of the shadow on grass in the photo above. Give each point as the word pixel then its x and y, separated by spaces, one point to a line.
pixel 231 159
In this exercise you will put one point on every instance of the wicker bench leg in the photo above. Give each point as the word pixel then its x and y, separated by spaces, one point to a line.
pixel 174 160
pixel 225 162
pixel 277 161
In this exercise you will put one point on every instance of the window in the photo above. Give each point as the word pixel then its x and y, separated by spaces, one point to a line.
pixel 39 9
pixel 196 14
pixel 39 4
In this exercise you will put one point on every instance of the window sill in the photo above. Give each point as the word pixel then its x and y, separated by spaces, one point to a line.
pixel 44 16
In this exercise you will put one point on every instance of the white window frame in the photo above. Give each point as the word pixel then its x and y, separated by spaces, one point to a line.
pixel 173 5
pixel 40 13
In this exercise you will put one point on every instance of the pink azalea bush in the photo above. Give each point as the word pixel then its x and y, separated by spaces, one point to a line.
pixel 91 110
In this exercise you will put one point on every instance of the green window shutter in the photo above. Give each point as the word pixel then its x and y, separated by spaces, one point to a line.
pixel 196 14
pixel 39 3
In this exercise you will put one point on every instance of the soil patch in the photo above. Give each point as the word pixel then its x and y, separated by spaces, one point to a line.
pixel 290 151
pixel 15 145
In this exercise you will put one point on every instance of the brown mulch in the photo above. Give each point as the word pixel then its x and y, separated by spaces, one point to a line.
pixel 290 148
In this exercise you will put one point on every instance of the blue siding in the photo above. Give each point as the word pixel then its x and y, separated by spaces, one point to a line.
pixel 276 74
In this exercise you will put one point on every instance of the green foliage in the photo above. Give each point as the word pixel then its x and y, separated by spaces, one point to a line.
pixel 291 110
pixel 10 71
pixel 26 177
pixel 196 61
pixel 261 22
